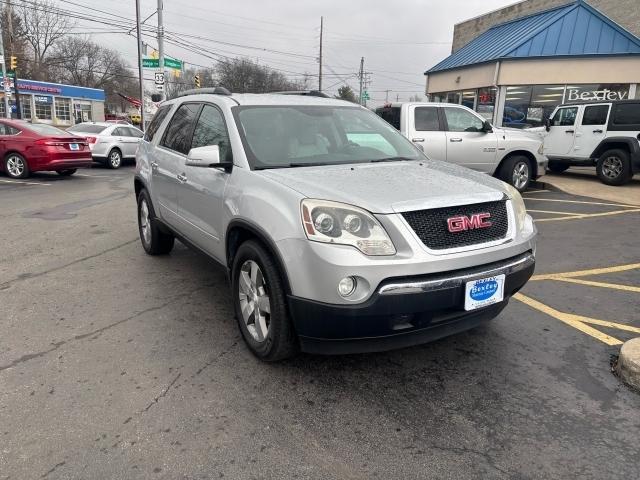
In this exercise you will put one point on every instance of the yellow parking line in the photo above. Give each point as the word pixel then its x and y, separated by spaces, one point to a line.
pixel 575 321
pixel 587 273
pixel 25 183
pixel 553 213
pixel 581 216
pixel 604 323
pixel 582 202
pixel 537 191
pixel 616 286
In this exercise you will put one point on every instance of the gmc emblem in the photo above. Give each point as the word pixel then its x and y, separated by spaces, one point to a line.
pixel 463 223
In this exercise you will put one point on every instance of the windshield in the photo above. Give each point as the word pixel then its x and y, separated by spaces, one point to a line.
pixel 295 136
pixel 87 128
pixel 44 129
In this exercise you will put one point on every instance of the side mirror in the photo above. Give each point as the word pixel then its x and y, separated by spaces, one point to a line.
pixel 206 157
pixel 486 127
pixel 547 124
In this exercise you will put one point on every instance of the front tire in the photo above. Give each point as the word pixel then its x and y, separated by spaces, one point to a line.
pixel 260 304
pixel 15 166
pixel 153 239
pixel 114 159
pixel 516 171
pixel 68 172
pixel 614 167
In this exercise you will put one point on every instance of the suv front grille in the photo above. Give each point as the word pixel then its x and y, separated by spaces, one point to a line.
pixel 432 228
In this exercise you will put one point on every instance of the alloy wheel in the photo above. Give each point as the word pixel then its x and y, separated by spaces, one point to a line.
pixel 520 175
pixel 254 300
pixel 145 222
pixel 115 159
pixel 612 167
pixel 15 166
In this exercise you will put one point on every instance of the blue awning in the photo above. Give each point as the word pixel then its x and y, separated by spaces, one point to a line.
pixel 573 30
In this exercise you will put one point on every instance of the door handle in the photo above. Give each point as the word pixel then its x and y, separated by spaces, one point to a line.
pixel 182 178
pixel 154 165
pixel 455 139
pixel 569 131
pixel 597 130
pixel 417 140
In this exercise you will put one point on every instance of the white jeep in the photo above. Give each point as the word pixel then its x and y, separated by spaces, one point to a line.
pixel 604 134
pixel 457 134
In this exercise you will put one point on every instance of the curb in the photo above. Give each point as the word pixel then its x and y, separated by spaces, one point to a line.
pixel 628 366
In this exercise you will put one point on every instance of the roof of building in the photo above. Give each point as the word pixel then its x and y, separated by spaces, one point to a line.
pixel 576 29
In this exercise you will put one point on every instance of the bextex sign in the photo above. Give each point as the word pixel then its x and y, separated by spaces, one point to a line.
pixel 575 95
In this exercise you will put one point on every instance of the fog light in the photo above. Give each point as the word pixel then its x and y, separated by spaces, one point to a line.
pixel 347 286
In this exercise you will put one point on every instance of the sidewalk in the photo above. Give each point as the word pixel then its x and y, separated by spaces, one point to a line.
pixel 583 181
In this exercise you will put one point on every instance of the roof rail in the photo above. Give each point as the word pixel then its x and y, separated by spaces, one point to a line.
pixel 205 91
pixel 306 93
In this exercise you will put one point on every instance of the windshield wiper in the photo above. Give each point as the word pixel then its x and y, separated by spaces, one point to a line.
pixel 306 164
pixel 392 159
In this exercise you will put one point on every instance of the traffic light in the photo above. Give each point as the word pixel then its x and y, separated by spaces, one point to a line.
pixel 14 63
pixel 196 80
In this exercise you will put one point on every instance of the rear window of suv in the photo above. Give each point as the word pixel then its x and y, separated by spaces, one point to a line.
pixel 627 114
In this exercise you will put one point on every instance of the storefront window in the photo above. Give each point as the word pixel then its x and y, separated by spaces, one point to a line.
pixel 529 106
pixel 63 109
pixel 453 97
pixel 82 112
pixel 469 99
pixel 486 102
pixel 43 107
pixel 25 106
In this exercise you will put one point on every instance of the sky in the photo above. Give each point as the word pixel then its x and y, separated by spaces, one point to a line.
pixel 399 39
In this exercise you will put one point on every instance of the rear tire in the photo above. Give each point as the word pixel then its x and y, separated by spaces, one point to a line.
pixel 260 304
pixel 153 239
pixel 557 167
pixel 516 171
pixel 114 159
pixel 15 166
pixel 614 167
pixel 68 172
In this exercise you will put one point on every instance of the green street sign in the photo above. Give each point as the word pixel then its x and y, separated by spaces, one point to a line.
pixel 168 62
pixel 365 95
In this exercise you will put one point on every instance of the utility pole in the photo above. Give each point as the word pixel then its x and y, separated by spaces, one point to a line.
pixel 320 57
pixel 386 95
pixel 140 64
pixel 361 75
pixel 9 13
pixel 397 97
pixel 5 79
pixel 163 92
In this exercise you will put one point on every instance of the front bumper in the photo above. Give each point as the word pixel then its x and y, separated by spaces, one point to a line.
pixel 543 163
pixel 404 311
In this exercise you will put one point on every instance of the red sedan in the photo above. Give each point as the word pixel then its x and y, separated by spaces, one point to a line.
pixel 27 147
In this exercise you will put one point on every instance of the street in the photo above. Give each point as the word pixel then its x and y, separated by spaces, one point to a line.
pixel 115 364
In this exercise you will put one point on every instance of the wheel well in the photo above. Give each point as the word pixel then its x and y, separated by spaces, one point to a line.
pixel 238 234
pixel 610 146
pixel 115 148
pixel 530 156
pixel 138 186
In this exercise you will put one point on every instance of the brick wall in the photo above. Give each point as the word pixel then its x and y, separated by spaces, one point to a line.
pixel 624 12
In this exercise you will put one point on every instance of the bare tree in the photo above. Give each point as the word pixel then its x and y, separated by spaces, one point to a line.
pixel 243 75
pixel 185 81
pixel 42 26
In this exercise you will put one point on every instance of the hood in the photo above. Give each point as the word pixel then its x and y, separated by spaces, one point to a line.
pixel 515 133
pixel 391 187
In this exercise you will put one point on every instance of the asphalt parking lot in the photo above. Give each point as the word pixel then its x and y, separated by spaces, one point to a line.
pixel 114 364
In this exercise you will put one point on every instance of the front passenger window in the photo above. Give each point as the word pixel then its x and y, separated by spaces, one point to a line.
pixel 211 130
pixel 460 120
pixel 565 117
pixel 177 137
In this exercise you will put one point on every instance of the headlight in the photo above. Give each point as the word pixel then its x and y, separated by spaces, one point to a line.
pixel 519 208
pixel 342 224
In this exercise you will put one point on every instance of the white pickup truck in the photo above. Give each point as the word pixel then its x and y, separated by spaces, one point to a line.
pixel 457 134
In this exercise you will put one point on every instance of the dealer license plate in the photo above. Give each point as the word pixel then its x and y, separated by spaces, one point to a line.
pixel 482 292
pixel 74 146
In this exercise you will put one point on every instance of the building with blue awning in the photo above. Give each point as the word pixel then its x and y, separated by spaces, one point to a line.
pixel 516 72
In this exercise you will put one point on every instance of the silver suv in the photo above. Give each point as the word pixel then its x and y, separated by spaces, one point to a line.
pixel 337 233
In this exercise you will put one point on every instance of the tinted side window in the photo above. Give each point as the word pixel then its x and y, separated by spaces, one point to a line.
pixel 177 137
pixel 627 114
pixel 391 115
pixel 8 130
pixel 119 132
pixel 460 120
pixel 427 119
pixel 211 130
pixel 565 117
pixel 595 115
pixel 155 123
pixel 134 132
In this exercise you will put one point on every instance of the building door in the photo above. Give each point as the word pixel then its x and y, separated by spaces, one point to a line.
pixel 561 137
pixel 426 130
pixel 592 128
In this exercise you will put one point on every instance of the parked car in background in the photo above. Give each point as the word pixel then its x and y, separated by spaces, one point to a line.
pixel 110 143
pixel 26 148
pixel 457 134
pixel 337 233
pixel 605 135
